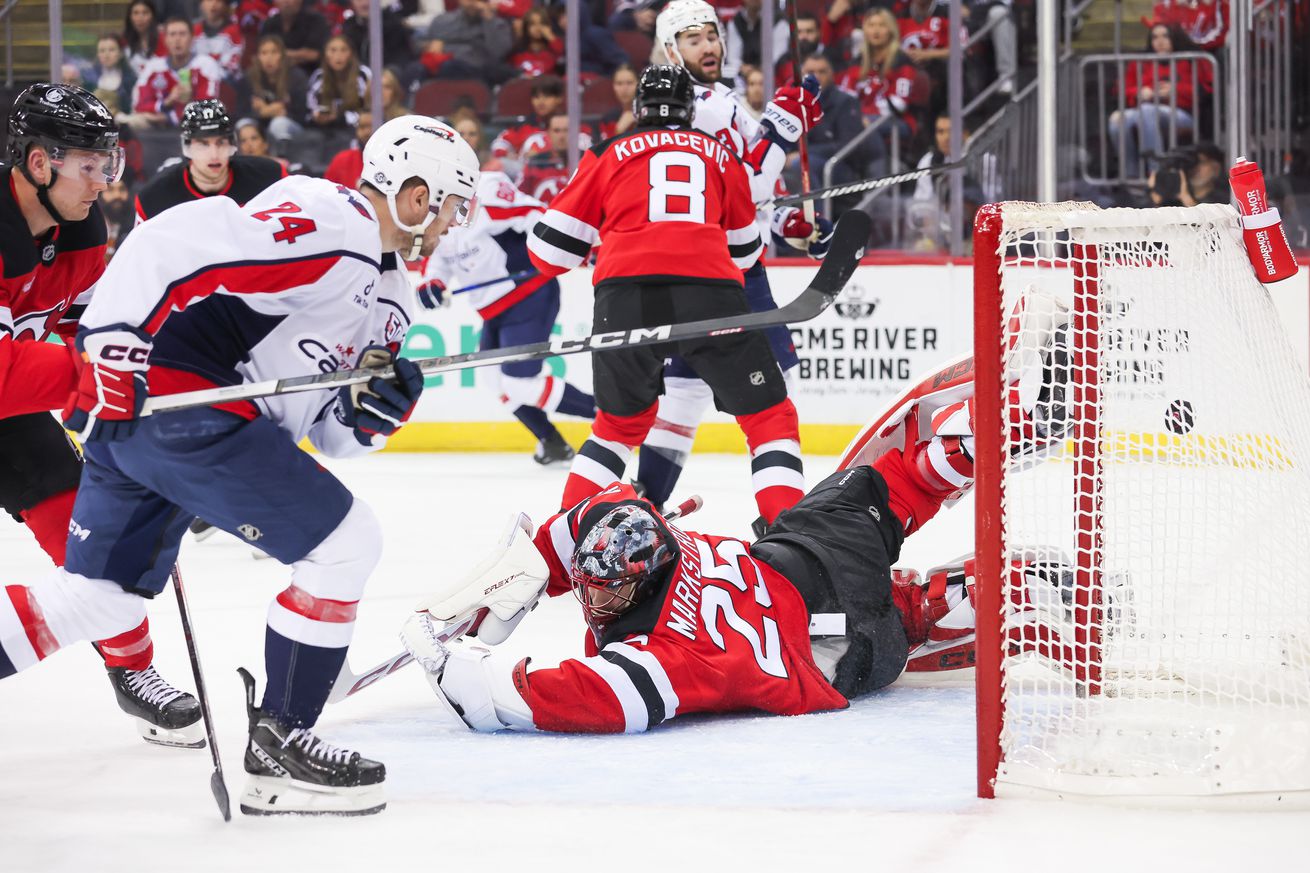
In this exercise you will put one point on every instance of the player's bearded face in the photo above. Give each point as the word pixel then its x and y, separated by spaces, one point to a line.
pixel 702 54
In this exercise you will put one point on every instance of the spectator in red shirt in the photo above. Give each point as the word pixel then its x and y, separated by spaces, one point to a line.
pixel 537 52
pixel 1204 21
pixel 547 171
pixel 143 38
pixel 518 142
pixel 217 35
pixel 884 82
pixel 167 84
pixel 1159 95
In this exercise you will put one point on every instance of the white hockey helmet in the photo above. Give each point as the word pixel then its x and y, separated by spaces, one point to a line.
pixel 683 15
pixel 417 145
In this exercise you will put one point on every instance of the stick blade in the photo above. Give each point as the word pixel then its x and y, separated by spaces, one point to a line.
pixel 849 239
pixel 219 787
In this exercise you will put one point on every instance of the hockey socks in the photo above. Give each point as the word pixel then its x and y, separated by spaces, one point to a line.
pixel 604 456
pixel 304 648
pixel 25 638
pixel 535 421
pixel 49 522
pixel 577 402
pixel 665 450
pixel 777 474
pixel 132 650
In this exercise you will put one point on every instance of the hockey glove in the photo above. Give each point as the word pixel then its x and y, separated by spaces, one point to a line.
pixel 111 384
pixel 380 406
pixel 432 294
pixel 790 226
pixel 792 112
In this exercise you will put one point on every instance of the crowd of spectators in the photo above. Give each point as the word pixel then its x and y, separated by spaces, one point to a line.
pixel 297 73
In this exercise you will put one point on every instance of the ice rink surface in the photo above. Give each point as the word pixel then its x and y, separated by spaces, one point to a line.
pixel 887 785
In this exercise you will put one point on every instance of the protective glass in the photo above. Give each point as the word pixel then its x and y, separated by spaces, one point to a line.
pixel 90 166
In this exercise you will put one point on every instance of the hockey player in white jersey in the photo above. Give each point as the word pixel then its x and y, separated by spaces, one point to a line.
pixel 303 279
pixel 689 33
pixel 518 309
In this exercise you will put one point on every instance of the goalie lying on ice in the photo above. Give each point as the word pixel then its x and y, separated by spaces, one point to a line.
pixel 802 620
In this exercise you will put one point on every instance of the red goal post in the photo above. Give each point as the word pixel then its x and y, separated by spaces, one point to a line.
pixel 1142 511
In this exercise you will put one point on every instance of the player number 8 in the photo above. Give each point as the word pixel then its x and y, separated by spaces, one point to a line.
pixel 677 187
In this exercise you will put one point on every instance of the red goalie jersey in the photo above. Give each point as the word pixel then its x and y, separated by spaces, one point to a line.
pixel 726 633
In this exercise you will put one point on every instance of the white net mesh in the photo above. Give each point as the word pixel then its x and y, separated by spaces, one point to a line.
pixel 1157 514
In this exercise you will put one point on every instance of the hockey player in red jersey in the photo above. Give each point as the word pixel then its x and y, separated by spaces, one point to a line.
pixel 63 151
pixel 302 280
pixel 671 210
pixel 808 616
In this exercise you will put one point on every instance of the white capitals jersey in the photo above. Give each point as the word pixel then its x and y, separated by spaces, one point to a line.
pixel 291 284
pixel 492 246
pixel 720 113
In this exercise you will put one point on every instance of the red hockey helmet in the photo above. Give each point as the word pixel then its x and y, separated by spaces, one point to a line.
pixel 617 563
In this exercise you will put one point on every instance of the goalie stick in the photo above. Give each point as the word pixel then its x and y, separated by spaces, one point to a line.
pixel 349 683
pixel 848 241
pixel 867 185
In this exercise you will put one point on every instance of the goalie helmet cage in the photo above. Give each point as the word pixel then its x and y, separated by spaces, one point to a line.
pixel 1168 658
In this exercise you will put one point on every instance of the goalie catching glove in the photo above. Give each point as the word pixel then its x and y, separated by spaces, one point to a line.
pixel 380 406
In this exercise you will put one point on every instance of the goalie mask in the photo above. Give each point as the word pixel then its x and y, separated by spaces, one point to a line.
pixel 619 562
pixel 416 146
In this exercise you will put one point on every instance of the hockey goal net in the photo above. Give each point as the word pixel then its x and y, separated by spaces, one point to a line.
pixel 1143 510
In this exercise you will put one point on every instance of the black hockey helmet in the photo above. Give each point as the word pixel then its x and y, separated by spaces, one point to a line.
pixel 664 96
pixel 618 561
pixel 206 118
pixel 58 119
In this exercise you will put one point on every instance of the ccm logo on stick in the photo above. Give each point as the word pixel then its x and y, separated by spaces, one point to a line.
pixel 133 354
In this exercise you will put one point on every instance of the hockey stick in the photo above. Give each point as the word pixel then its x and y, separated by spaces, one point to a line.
pixel 216 783
pixel 848 242
pixel 521 276
pixel 794 48
pixel 868 184
pixel 349 683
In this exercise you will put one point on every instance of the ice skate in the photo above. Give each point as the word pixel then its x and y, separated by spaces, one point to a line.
pixel 553 450
pixel 164 715
pixel 202 530
pixel 293 772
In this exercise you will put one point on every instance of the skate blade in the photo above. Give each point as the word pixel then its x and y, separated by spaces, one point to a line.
pixel 190 737
pixel 272 795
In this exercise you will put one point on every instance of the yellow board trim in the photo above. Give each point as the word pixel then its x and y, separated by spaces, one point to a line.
pixel 510 436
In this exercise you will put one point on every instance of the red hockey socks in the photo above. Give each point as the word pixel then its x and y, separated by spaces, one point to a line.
pixel 604 456
pixel 777 475
pixel 133 650
pixel 911 497
pixel 49 520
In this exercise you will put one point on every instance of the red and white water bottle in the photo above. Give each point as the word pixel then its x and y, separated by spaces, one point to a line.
pixel 1262 227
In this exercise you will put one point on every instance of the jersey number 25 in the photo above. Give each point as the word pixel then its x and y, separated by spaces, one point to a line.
pixel 677 187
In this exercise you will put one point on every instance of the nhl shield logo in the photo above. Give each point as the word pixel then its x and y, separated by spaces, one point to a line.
pixel 757 378
pixel 48 254
pixel 855 306
pixel 250 532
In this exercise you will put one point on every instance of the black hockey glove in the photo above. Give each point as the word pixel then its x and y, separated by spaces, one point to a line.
pixel 380 406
